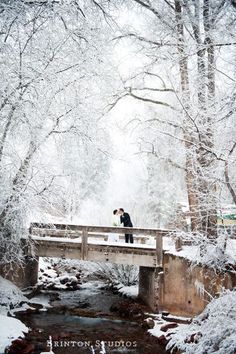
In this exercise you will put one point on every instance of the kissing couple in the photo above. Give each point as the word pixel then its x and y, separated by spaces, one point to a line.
pixel 121 218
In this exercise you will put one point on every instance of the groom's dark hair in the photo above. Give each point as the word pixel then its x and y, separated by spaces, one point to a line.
pixel 121 209
pixel 114 212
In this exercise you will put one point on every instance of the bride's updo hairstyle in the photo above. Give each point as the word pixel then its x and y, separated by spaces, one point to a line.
pixel 115 211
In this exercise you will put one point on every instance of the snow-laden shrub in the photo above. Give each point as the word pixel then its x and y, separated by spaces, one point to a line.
pixel 213 331
pixel 213 253
pixel 117 273
pixel 11 230
pixel 10 296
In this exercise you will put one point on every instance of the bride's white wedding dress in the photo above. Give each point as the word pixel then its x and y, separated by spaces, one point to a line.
pixel 115 222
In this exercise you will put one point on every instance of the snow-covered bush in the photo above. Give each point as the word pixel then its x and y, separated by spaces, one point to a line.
pixel 213 331
pixel 11 250
pixel 217 254
pixel 117 273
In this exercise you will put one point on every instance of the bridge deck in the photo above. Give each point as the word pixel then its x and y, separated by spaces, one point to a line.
pixel 90 243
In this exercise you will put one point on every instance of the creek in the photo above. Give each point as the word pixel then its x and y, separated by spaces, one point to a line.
pixel 82 321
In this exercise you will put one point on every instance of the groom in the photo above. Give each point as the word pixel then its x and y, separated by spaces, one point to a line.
pixel 126 221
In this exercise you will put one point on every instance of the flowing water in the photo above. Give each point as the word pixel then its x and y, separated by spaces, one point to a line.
pixel 81 322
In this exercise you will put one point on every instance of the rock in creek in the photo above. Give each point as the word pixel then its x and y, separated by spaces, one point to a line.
pixel 20 346
pixel 166 326
pixel 132 310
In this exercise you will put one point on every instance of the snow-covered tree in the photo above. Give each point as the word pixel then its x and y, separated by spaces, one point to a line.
pixel 52 60
pixel 185 45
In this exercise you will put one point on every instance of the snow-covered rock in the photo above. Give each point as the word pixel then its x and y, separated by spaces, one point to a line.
pixel 11 328
pixel 56 276
pixel 10 296
pixel 164 328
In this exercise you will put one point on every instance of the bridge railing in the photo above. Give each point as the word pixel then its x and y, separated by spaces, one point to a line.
pixel 86 231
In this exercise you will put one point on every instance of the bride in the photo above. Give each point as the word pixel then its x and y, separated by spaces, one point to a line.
pixel 115 222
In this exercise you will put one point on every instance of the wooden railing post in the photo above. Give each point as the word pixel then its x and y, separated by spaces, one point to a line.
pixel 180 225
pixel 159 248
pixel 178 244
pixel 84 244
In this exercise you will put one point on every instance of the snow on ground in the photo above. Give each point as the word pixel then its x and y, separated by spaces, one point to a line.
pixel 23 307
pixel 213 257
pixel 92 287
pixel 11 328
pixel 41 299
pixel 159 322
pixel 10 296
pixel 191 252
pixel 213 331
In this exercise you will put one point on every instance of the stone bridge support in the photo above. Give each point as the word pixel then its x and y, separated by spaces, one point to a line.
pixel 24 274
pixel 180 289
pixel 186 290
pixel 30 271
pixel 150 286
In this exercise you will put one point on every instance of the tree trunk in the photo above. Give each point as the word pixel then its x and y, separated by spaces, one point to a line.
pixel 188 133
pixel 208 163
pixel 18 185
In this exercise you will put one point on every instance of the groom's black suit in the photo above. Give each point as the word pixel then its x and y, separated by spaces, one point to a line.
pixel 126 221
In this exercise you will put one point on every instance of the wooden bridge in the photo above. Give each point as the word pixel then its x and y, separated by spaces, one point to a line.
pixel 165 282
pixel 91 243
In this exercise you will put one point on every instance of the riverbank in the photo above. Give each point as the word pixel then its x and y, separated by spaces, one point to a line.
pixel 86 311
pixel 82 314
